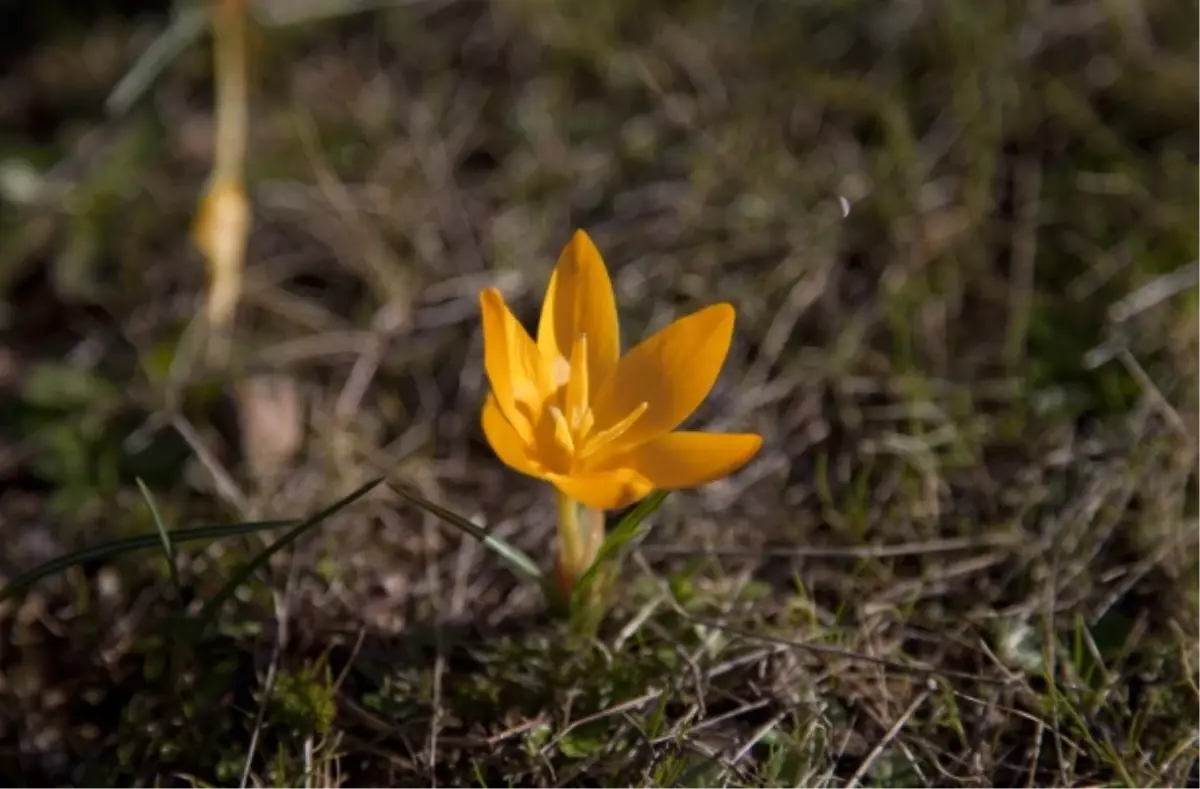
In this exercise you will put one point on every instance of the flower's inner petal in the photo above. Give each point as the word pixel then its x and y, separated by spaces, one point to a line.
pixel 514 366
pixel 553 441
pixel 579 301
pixel 671 372
pixel 506 442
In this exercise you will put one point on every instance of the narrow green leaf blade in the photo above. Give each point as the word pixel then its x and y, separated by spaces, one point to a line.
pixel 140 542
pixel 184 29
pixel 212 608
pixel 516 558
pixel 161 527
pixel 630 528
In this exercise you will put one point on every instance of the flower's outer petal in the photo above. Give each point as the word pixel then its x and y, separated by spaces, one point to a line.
pixel 686 460
pixel 519 378
pixel 606 490
pixel 672 372
pixel 579 300
pixel 506 442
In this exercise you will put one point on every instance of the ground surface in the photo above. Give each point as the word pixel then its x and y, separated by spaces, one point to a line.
pixel 967 554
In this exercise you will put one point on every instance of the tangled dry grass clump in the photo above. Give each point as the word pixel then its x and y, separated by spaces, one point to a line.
pixel 961 243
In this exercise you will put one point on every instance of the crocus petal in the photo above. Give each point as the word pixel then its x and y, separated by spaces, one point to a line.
pixel 506 441
pixel 579 301
pixel 606 490
pixel 519 378
pixel 672 372
pixel 686 460
pixel 578 386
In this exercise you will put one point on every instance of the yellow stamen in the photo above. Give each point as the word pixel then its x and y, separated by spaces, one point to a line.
pixel 606 437
pixel 577 384
pixel 587 423
pixel 562 430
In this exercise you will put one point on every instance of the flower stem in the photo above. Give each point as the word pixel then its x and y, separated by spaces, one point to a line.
pixel 580 537
pixel 571 545
pixel 594 530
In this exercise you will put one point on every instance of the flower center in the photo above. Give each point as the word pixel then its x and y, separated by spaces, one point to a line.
pixel 574 423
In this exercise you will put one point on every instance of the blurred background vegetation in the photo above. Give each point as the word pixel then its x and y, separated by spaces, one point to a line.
pixel 961 239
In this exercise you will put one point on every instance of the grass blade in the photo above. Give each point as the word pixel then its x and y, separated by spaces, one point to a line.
pixel 168 549
pixel 185 28
pixel 212 608
pixel 516 558
pixel 140 542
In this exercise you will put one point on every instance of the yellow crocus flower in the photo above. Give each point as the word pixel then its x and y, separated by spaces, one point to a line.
pixel 598 426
